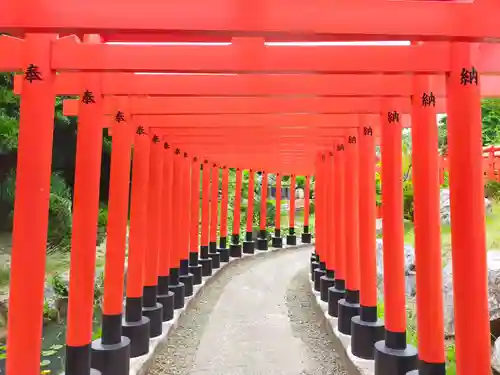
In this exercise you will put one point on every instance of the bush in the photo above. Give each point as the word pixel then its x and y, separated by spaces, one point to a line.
pixel 408 200
pixel 492 190
pixel 271 212
pixel 301 182
pixel 312 207
pixel 60 221
pixel 102 224
pixel 60 287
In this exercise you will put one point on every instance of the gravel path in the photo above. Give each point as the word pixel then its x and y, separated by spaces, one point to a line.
pixel 257 318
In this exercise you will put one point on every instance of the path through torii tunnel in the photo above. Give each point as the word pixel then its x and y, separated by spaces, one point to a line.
pixel 228 88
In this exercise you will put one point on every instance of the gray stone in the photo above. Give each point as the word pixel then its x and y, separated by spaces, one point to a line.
pixel 444 198
pixel 378 226
pixel 493 261
pixel 408 270
pixel 495 356
pixel 299 193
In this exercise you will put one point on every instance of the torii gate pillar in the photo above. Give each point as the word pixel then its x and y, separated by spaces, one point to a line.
pixel 31 207
pixel 467 210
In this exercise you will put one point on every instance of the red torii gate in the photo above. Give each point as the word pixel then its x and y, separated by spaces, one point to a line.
pixel 318 85
pixel 459 92
pixel 316 20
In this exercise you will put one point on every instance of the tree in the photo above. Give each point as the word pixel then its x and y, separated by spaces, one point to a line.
pixel 490 113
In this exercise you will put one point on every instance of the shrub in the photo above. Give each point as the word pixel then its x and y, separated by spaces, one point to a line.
pixel 271 212
pixel 59 231
pixel 301 182
pixel 312 207
pixel 408 200
pixel 102 224
pixel 492 190
pixel 60 286
pixel 60 220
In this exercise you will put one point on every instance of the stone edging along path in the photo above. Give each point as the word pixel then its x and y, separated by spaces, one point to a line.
pixel 354 364
pixel 141 365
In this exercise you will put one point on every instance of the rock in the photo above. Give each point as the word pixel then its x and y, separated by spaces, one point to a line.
pixel 493 263
pixel 444 197
pixel 495 356
pixel 299 193
pixel 378 226
pixel 409 269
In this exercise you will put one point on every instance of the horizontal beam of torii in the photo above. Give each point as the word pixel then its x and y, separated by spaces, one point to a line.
pixel 247 105
pixel 361 85
pixel 247 55
pixel 345 19
pixel 253 121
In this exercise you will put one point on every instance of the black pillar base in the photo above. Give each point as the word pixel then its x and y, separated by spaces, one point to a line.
pixel 224 254
pixel 390 361
pixel 188 281
pixel 206 264
pixel 364 335
pixel 325 283
pixel 314 266
pixel 111 359
pixel 138 333
pixel 92 372
pixel 235 250
pixel 318 273
pixel 347 311
pixel 179 294
pixel 291 239
pixel 167 302
pixel 262 244
pixel 306 238
pixel 335 294
pixel 277 242
pixel 196 271
pixel 248 247
pixel 426 368
pixel 215 260
pixel 155 315
pixel 78 361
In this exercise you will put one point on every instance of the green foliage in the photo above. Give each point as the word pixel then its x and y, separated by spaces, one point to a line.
pixel 59 234
pixel 60 286
pixel 492 190
pixel 60 219
pixel 300 182
pixel 9 114
pixel 490 112
pixel 97 334
pixel 446 179
pixel 406 173
pixel 49 312
pixel 312 208
pixel 8 189
pixel 102 223
pixel 4 274
pixel 408 200
pixel 99 289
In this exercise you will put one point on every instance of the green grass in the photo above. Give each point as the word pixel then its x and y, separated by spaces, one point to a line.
pixel 4 275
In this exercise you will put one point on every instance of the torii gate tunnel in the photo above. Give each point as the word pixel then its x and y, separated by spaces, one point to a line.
pixel 251 100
